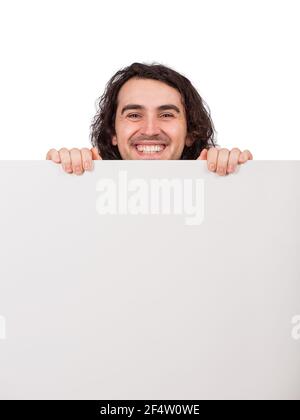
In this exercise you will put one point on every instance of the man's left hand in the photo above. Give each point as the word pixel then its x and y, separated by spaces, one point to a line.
pixel 224 161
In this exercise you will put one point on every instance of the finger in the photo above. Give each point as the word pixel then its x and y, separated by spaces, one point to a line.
pixel 53 155
pixel 233 160
pixel 212 158
pixel 87 159
pixel 222 163
pixel 95 154
pixel 245 156
pixel 203 155
pixel 65 160
pixel 76 161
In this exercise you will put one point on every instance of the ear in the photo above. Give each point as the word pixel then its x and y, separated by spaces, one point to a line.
pixel 114 140
pixel 188 141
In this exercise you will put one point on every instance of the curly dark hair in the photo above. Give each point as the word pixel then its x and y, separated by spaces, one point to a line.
pixel 200 127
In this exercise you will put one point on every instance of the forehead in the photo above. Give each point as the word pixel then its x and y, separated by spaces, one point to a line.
pixel 148 92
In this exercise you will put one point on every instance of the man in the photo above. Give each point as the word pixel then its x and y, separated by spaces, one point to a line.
pixel 151 112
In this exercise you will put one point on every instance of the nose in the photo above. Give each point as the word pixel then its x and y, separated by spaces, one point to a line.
pixel 150 126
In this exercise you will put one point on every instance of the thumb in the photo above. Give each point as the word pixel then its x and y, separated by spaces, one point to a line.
pixel 95 154
pixel 203 155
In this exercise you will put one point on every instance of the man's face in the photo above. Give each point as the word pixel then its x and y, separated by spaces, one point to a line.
pixel 150 121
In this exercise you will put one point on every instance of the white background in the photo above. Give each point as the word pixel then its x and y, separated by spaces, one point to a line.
pixel 56 57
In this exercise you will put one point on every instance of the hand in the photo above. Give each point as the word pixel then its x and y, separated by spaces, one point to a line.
pixel 224 161
pixel 75 160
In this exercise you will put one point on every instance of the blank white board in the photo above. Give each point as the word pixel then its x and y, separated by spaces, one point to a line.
pixel 151 305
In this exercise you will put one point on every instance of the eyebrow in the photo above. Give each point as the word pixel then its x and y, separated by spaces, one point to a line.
pixel 160 108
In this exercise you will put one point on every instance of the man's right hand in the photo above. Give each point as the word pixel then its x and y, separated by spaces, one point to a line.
pixel 74 160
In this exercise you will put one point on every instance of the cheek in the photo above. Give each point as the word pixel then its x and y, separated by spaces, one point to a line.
pixel 124 132
pixel 177 133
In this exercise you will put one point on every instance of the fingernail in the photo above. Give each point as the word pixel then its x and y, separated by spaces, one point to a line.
pixel 212 166
pixel 230 169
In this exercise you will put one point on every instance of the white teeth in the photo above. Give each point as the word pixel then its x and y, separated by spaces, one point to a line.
pixel 149 149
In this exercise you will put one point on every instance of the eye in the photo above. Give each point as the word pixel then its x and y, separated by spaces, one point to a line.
pixel 134 116
pixel 167 115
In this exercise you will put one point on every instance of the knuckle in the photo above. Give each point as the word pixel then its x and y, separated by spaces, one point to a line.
pixel 67 168
pixel 87 165
pixel 63 150
pixel 221 169
pixel 247 153
pixel 65 158
pixel 214 151
pixel 78 170
pixel 51 154
pixel 86 155
pixel 77 167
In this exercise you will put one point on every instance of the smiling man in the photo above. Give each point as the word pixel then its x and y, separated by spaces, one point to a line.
pixel 151 112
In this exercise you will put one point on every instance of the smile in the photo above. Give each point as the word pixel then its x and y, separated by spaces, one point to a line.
pixel 150 148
